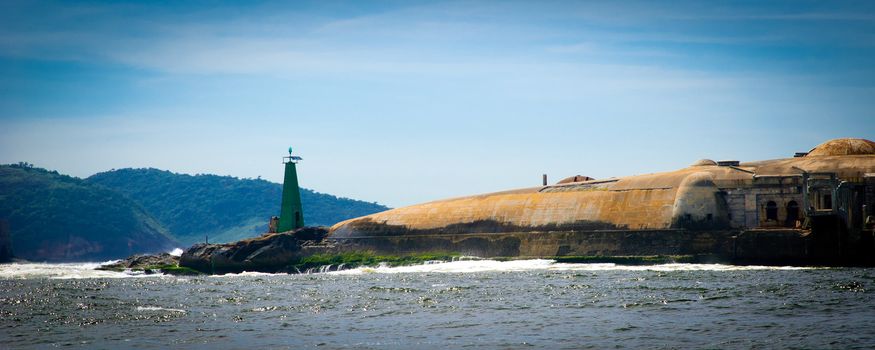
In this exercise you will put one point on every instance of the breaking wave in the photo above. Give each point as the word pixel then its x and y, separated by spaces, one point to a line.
pixel 158 308
pixel 468 266
pixel 57 271
pixel 87 270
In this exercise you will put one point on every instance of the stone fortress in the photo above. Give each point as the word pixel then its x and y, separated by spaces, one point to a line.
pixel 816 207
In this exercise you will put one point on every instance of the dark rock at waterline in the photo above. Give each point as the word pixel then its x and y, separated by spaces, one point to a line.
pixel 310 233
pixel 272 252
pixel 5 242
pixel 142 262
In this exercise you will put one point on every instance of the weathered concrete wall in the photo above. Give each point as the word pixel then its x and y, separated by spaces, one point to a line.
pixel 763 246
pixel 549 244
pixel 773 246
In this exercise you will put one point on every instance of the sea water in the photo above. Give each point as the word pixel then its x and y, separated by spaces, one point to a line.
pixel 461 304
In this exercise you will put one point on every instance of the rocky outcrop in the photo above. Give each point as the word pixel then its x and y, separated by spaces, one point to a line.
pixel 272 252
pixel 142 262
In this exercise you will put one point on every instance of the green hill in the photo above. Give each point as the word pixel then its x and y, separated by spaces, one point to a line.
pixel 223 207
pixel 54 217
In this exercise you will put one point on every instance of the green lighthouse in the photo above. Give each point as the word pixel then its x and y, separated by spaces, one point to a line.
pixel 291 212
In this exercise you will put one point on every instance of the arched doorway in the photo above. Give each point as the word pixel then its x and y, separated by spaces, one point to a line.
pixel 792 213
pixel 771 211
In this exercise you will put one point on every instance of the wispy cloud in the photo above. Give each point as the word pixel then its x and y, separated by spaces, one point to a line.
pixel 477 84
pixel 406 38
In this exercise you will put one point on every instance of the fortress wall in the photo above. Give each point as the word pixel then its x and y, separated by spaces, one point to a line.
pixel 747 204
pixel 550 244
pixel 727 246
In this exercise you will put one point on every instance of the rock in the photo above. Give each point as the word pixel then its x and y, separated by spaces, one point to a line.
pixel 142 262
pixel 273 252
pixel 5 242
pixel 310 233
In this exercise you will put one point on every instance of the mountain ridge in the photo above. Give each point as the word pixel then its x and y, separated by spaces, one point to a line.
pixel 113 214
pixel 225 208
pixel 56 217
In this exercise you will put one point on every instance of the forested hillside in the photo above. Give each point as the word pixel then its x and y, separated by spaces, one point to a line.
pixel 223 207
pixel 54 217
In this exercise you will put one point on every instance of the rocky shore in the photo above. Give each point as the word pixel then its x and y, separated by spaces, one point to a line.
pixel 308 249
pixel 142 261
pixel 148 264
pixel 272 252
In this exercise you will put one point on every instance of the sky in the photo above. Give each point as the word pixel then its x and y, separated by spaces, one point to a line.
pixel 401 102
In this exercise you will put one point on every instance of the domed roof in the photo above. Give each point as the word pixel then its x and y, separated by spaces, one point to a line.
pixel 843 147
pixel 704 162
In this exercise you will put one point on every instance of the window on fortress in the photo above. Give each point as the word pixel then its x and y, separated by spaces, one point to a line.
pixel 792 213
pixel 827 201
pixel 771 211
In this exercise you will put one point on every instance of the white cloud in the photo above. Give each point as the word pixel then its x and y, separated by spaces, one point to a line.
pixel 448 94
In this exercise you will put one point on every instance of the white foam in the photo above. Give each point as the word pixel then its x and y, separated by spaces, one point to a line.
pixel 456 267
pixel 246 273
pixel 176 252
pixel 157 308
pixel 59 271
pixel 665 267
pixel 87 270
pixel 469 266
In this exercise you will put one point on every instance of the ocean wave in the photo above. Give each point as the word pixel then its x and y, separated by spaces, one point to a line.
pixel 468 266
pixel 158 308
pixel 59 271
pixel 87 270
pixel 247 273
pixel 667 267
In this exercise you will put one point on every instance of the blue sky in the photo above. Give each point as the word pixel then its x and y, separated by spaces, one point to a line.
pixel 401 102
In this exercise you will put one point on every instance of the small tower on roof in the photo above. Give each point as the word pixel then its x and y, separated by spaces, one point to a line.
pixel 291 211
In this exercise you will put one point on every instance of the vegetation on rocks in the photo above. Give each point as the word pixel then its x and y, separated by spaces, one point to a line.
pixel 150 269
pixel 360 259
pixel 148 264
pixel 176 270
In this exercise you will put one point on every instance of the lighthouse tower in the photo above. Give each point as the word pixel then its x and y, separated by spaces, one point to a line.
pixel 291 211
